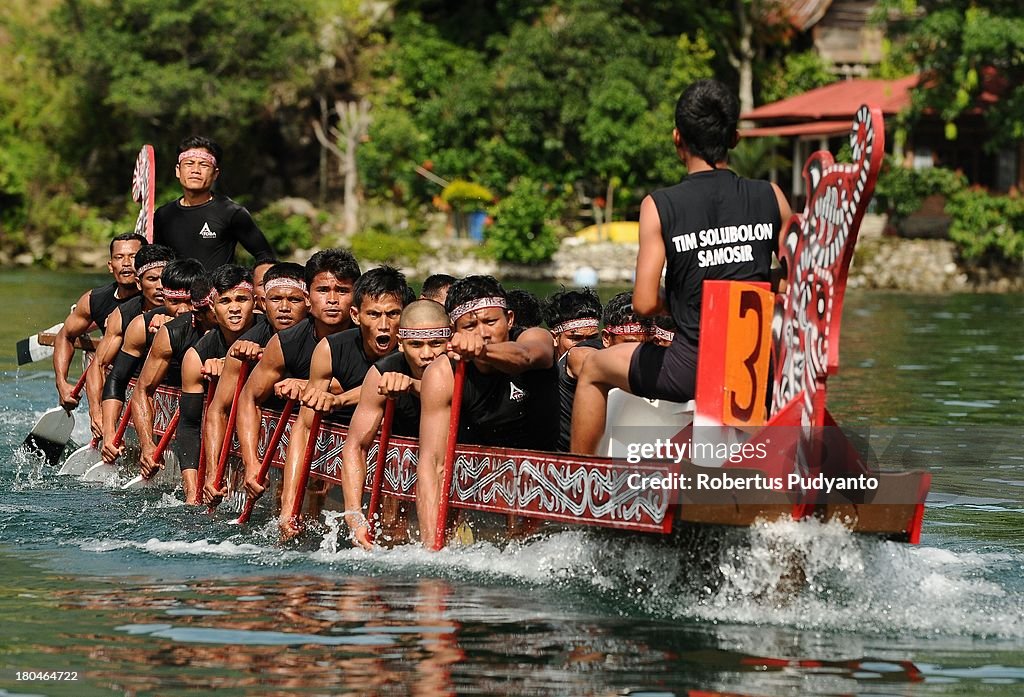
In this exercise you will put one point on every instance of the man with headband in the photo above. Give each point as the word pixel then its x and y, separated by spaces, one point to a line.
pixel 287 303
pixel 176 279
pixel 510 396
pixel 283 370
pixel 423 334
pixel 149 264
pixel 621 326
pixel 344 358
pixel 573 316
pixel 234 300
pixel 164 361
pixel 200 224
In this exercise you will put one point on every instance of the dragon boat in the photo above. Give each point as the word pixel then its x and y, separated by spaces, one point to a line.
pixel 732 456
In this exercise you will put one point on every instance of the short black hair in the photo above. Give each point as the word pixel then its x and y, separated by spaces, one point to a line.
pixel 180 274
pixel 566 305
pixel 410 296
pixel 153 252
pixel 473 288
pixel 128 237
pixel 526 308
pixel 284 269
pixel 665 322
pixel 338 262
pixel 706 116
pixel 263 261
pixel 200 289
pixel 226 277
pixel 619 310
pixel 435 283
pixel 203 142
pixel 376 283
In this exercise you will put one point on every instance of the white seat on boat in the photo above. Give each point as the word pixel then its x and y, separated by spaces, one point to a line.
pixel 632 419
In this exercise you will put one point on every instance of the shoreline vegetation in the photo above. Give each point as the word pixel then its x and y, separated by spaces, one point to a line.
pixel 882 261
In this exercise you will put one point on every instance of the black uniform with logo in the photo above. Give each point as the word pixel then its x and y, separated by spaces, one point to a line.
pixel 209 232
pixel 511 411
pixel 715 225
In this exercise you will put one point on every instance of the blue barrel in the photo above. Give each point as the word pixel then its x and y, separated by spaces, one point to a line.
pixel 475 221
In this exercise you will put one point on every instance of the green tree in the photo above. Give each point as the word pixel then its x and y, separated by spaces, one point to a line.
pixel 522 232
pixel 963 47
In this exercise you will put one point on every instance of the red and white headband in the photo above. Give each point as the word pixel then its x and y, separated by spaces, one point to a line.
pixel 172 294
pixel 151 265
pixel 582 323
pixel 478 304
pixel 426 333
pixel 244 285
pixel 198 154
pixel 284 282
pixel 663 334
pixel 207 301
pixel 624 329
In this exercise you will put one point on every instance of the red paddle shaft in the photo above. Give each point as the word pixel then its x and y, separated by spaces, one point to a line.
pixel 307 461
pixel 225 447
pixel 268 457
pixel 378 472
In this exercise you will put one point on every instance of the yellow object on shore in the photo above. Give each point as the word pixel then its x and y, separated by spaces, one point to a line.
pixel 621 232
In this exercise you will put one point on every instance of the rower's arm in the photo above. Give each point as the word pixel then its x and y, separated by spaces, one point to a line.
pixel 190 408
pixel 361 431
pixel 258 387
pixel 435 413
pixel 648 295
pixel 153 372
pixel 78 322
pixel 106 351
pixel 216 422
pixel 115 384
pixel 318 394
pixel 533 350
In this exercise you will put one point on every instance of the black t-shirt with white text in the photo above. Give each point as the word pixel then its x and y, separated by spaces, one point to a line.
pixel 209 232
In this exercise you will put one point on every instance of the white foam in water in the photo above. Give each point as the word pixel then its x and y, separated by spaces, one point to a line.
pixel 808 575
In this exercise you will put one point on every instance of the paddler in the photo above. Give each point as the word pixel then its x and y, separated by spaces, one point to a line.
pixel 176 281
pixel 149 264
pixel 423 334
pixel 201 224
pixel 283 370
pixel 621 326
pixel 345 358
pixel 93 308
pixel 712 225
pixel 287 304
pixel 163 364
pixel 234 300
pixel 510 397
pixel 573 316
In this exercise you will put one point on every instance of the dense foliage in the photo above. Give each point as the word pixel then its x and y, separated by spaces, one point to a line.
pixel 570 98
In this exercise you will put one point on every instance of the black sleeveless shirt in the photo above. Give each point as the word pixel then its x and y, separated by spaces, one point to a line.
pixel 130 309
pixel 211 345
pixel 716 225
pixel 297 344
pixel 103 301
pixel 349 365
pixel 183 335
pixel 407 405
pixel 260 332
pixel 510 411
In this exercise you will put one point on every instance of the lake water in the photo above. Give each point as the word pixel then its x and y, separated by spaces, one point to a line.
pixel 135 594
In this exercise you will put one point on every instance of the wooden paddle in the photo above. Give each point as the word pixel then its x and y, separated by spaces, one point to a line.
pixel 102 471
pixel 50 435
pixel 449 456
pixel 378 472
pixel 268 457
pixel 31 349
pixel 158 454
pixel 225 446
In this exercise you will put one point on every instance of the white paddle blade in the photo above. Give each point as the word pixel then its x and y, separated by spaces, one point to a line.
pixel 79 462
pixel 166 478
pixel 50 435
pixel 29 350
pixel 100 473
